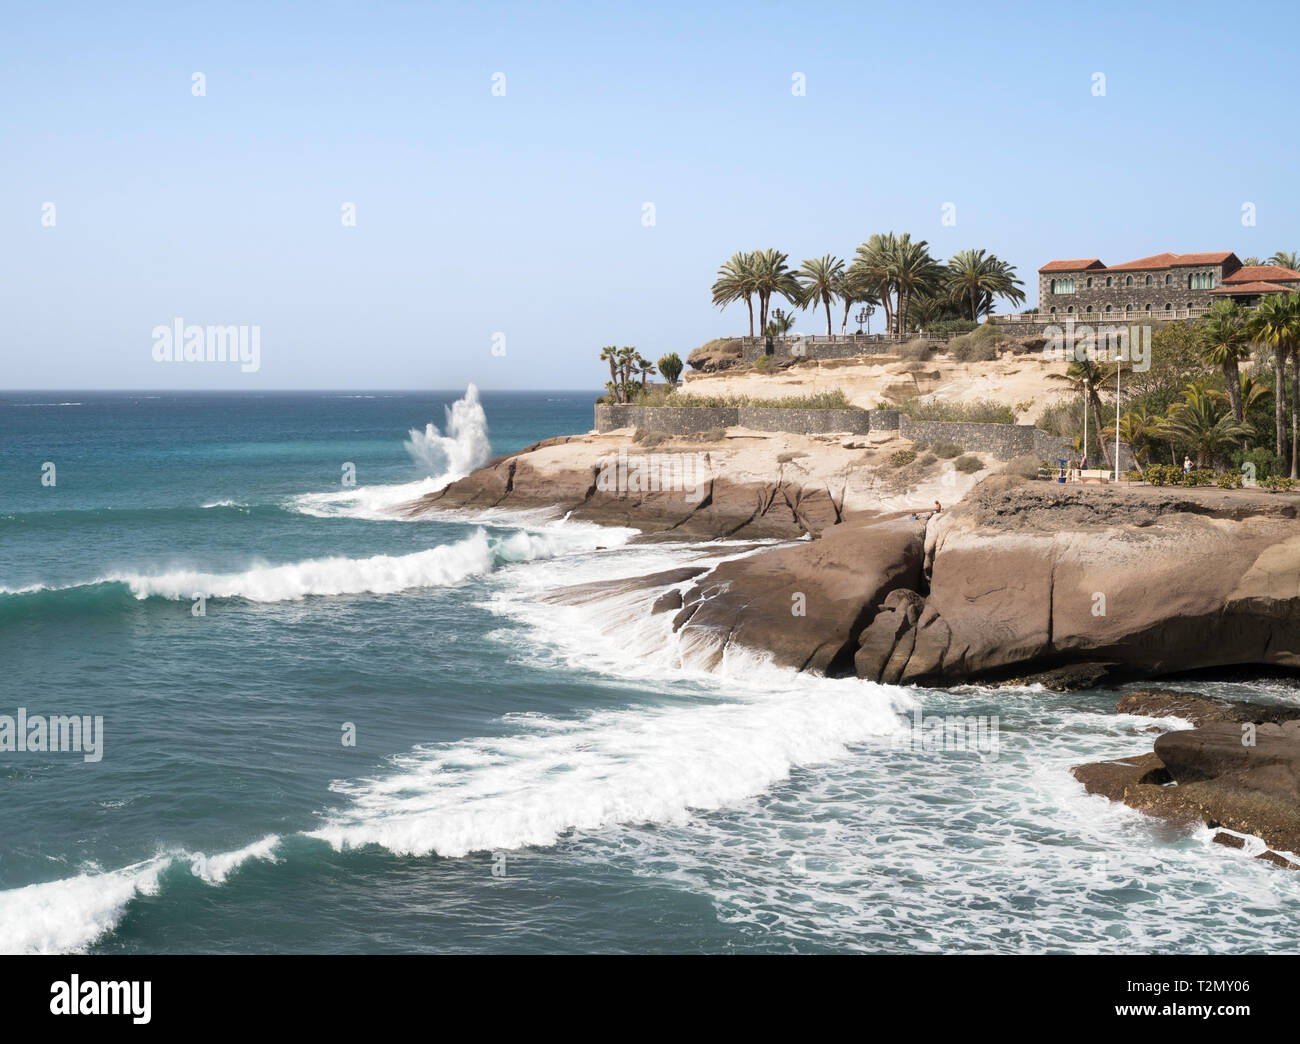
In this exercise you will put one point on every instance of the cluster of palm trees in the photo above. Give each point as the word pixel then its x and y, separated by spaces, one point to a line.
pixel 1282 258
pixel 623 363
pixel 890 271
pixel 1209 421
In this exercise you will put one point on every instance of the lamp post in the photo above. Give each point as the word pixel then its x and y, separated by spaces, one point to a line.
pixel 864 316
pixel 1118 364
pixel 1085 425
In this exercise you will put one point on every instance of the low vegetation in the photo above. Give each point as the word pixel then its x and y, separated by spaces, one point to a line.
pixel 978 411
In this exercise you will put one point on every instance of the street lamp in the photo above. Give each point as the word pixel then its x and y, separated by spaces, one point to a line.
pixel 1085 424
pixel 864 316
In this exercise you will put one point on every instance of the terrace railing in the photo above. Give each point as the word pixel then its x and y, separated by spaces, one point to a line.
pixel 1135 316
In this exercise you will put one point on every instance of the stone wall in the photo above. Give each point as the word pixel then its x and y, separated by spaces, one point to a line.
pixel 805 422
pixel 784 349
pixel 1002 441
pixel 670 420
pixel 1147 292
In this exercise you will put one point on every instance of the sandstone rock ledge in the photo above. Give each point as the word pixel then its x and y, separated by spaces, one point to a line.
pixel 1022 580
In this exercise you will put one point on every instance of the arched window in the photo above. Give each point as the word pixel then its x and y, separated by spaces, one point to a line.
pixel 1109 281
pixel 1128 281
pixel 1052 310
pixel 1089 282
pixel 1148 283
pixel 1168 307
pixel 1169 280
pixel 1070 309
pixel 1090 308
pixel 1148 308
pixel 1108 308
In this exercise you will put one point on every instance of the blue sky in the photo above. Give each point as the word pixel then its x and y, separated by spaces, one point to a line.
pixel 522 214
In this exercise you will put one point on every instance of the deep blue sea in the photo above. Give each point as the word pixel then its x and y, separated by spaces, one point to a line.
pixel 524 776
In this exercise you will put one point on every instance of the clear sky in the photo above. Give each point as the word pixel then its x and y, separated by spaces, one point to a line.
pixel 522 214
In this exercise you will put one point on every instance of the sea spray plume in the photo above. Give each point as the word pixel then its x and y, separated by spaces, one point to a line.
pixel 463 448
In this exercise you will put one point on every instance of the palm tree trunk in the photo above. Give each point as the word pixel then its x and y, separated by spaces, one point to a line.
pixel 1295 409
pixel 749 303
pixel 844 326
pixel 827 302
pixel 1095 399
pixel 974 308
pixel 1279 400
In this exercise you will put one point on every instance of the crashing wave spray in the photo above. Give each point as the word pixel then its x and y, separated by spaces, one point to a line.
pixel 443 458
pixel 463 448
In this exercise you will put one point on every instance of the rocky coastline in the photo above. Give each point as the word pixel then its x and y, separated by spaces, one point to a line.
pixel 1014 581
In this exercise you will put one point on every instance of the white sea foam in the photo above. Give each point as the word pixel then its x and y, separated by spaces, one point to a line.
pixel 443 566
pixel 443 458
pixel 68 915
pixel 648 763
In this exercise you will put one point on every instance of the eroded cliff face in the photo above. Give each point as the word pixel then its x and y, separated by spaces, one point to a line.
pixel 1020 579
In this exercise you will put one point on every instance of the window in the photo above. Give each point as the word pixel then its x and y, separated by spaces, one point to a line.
pixel 1148 308
pixel 1109 281
pixel 1052 310
pixel 1200 281
pixel 1108 308
pixel 1168 307
pixel 1191 304
pixel 1148 284
pixel 1062 286
pixel 1070 309
pixel 1127 309
pixel 1128 280
pixel 1169 280
pixel 1090 308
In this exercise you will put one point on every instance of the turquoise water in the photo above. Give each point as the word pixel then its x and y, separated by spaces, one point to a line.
pixel 526 776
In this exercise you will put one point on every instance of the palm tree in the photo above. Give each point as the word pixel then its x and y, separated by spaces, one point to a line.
pixel 1286 259
pixel 780 325
pixel 820 279
pixel 1138 428
pixel 609 354
pixel 1085 372
pixel 1249 262
pixel 976 278
pixel 736 282
pixel 626 359
pixel 913 271
pixel 871 271
pixel 1224 344
pixel 644 367
pixel 1201 422
pixel 1275 323
pixel 851 292
pixel 773 276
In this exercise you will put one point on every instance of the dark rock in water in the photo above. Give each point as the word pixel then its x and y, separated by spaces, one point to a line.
pixel 1199 709
pixel 1072 677
pixel 1112 778
pixel 1229 840
pixel 1239 769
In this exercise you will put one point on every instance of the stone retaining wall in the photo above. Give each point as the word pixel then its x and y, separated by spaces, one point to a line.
pixel 1002 441
pixel 783 350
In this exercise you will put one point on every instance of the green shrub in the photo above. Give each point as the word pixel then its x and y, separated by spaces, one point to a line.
pixel 968 464
pixel 1278 484
pixel 1025 466
pixel 901 458
pixel 1133 475
pixel 980 411
pixel 1228 480
pixel 1163 474
pixel 762 362
pixel 1264 461
pixel 977 346
pixel 1198 477
pixel 946 450
pixel 916 350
